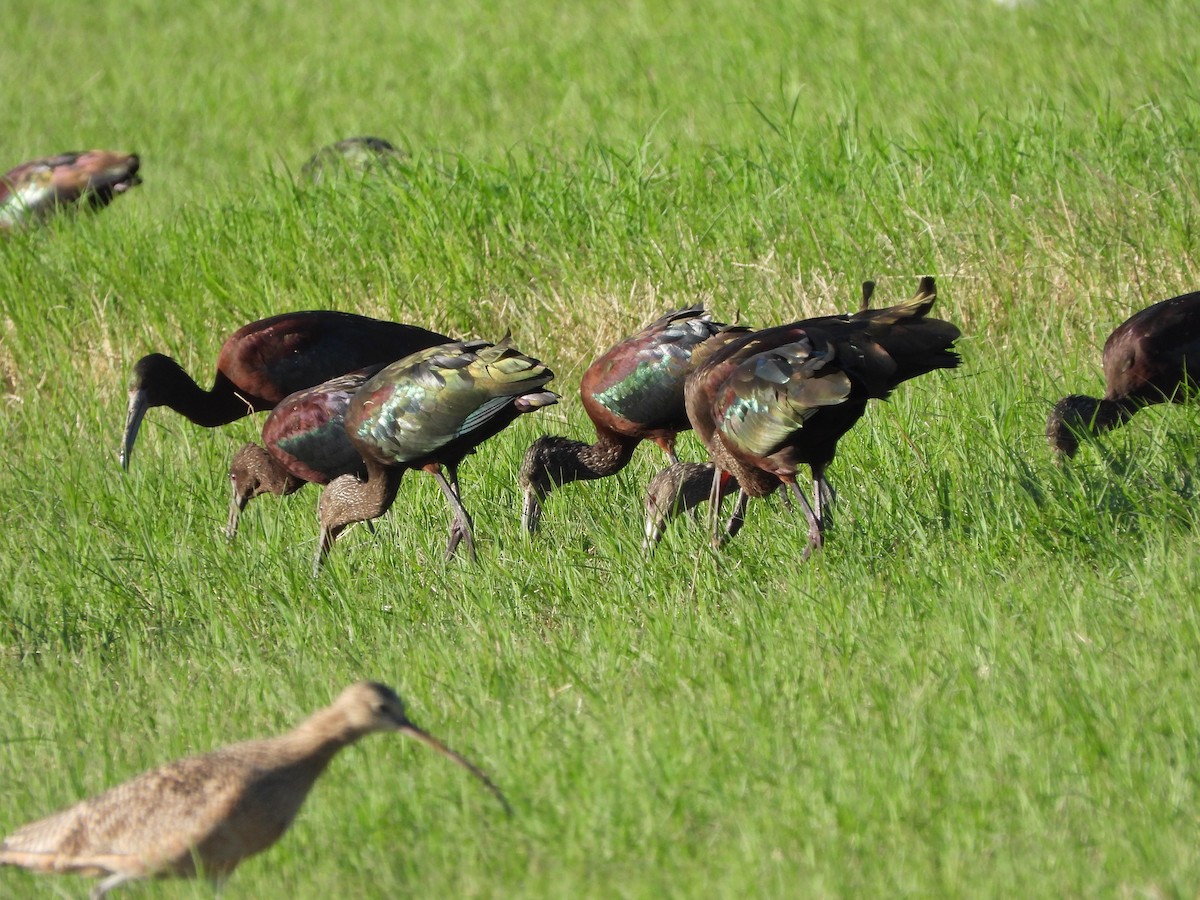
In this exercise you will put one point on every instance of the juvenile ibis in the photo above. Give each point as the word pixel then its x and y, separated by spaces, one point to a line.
pixel 424 412
pixel 1151 357
pixel 767 402
pixel 632 393
pixel 202 815
pixel 304 442
pixel 263 362
pixel 34 191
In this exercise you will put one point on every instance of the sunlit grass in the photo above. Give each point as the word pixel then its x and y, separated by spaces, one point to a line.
pixel 982 686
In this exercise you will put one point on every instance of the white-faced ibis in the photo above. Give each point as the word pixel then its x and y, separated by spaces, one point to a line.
pixel 1151 357
pixel 35 190
pixel 203 815
pixel 355 156
pixel 767 402
pixel 304 441
pixel 632 393
pixel 263 362
pixel 424 412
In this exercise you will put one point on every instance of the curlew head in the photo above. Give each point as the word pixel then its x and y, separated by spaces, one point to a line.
pixel 1077 415
pixel 368 707
pixel 675 490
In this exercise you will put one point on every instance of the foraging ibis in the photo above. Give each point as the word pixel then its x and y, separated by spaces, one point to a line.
pixel 632 393
pixel 1151 357
pixel 765 403
pixel 356 155
pixel 304 442
pixel 263 362
pixel 424 412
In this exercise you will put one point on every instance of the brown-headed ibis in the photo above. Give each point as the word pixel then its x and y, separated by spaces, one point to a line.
pixel 424 412
pixel 203 815
pixel 304 442
pixel 632 393
pixel 34 191
pixel 765 403
pixel 1151 357
pixel 263 362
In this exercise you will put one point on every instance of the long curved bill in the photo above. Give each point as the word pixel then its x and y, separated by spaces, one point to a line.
pixel 133 421
pixel 654 528
pixel 531 511
pixel 325 540
pixel 237 503
pixel 425 737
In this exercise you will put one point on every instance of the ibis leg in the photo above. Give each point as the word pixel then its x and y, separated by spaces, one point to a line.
pixel 823 495
pixel 815 537
pixel 714 508
pixel 461 527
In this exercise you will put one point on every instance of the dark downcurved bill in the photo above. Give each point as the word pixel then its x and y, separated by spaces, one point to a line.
pixel 531 511
pixel 133 421
pixel 425 737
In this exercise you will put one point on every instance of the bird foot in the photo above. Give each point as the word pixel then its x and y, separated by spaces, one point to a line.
pixel 460 532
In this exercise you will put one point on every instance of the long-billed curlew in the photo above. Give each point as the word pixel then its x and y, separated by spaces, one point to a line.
pixel 202 815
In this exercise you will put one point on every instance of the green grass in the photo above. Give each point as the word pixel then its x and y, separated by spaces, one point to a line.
pixel 983 686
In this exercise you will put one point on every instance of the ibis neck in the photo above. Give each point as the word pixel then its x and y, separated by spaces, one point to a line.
pixel 370 499
pixel 208 409
pixel 577 461
pixel 1112 412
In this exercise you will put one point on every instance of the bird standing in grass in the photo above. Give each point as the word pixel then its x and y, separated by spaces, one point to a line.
pixel 36 190
pixel 427 411
pixel 765 403
pixel 203 815
pixel 1151 357
pixel 632 393
pixel 304 442
pixel 263 362
pixel 352 156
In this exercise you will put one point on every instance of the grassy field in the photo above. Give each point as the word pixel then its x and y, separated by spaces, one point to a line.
pixel 984 686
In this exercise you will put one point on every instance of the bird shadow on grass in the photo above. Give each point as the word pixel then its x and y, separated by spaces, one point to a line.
pixel 1117 492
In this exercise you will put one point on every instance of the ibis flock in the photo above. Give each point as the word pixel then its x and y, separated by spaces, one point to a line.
pixel 354 402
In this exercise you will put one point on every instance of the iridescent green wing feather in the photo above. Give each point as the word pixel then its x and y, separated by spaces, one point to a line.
pixel 772 394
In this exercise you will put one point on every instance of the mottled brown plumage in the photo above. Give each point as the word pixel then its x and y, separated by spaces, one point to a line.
pixel 203 815
pixel 1151 357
